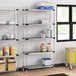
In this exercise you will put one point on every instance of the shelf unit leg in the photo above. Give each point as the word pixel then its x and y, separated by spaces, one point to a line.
pixel 27 72
pixel 17 73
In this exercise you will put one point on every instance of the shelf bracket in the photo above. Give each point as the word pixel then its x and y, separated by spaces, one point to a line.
pixel 27 54
pixel 17 9
pixel 27 38
pixel 17 24
pixel 17 39
pixel 17 54
pixel 53 37
pixel 53 51
pixel 23 10
pixel 53 23
pixel 26 24
pixel 26 9
pixel 53 9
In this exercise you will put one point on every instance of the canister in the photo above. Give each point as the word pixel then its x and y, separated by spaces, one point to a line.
pixel 1 52
pixel 12 50
pixel 6 51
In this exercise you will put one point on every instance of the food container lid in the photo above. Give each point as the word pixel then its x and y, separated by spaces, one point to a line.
pixel 48 43
pixel 42 43
pixel 46 59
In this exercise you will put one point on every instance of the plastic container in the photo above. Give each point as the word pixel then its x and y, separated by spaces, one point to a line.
pixel 48 47
pixel 12 50
pixel 42 47
pixel 46 61
pixel 1 52
pixel 6 51
pixel 44 6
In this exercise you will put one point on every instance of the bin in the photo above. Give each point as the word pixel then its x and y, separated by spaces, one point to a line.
pixel 70 56
pixel 11 66
pixel 46 61
pixel 2 65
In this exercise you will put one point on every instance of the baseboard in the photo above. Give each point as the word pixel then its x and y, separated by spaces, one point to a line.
pixel 56 65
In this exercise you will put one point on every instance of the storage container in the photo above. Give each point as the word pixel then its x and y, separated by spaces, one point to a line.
pixel 42 48
pixel 48 47
pixel 2 67
pixel 6 51
pixel 46 61
pixel 44 6
pixel 12 50
pixel 11 66
pixel 70 56
pixel 1 52
pixel 11 60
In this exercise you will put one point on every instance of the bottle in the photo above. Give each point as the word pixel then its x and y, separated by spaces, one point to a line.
pixel 42 47
pixel 48 47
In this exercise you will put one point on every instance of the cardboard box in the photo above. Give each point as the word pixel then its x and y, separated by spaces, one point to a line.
pixel 11 66
pixel 2 68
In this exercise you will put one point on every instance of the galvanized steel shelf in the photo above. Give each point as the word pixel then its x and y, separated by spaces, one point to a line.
pixel 38 66
pixel 26 12
pixel 15 12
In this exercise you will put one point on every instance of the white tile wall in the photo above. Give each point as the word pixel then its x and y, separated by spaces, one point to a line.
pixel 60 47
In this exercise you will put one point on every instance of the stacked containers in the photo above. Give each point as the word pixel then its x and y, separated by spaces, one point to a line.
pixel 8 51
pixel 10 62
pixel 11 66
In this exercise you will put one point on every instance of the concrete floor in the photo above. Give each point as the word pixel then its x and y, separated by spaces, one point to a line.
pixel 43 72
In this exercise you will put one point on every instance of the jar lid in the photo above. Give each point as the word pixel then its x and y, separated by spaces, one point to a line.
pixel 48 43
